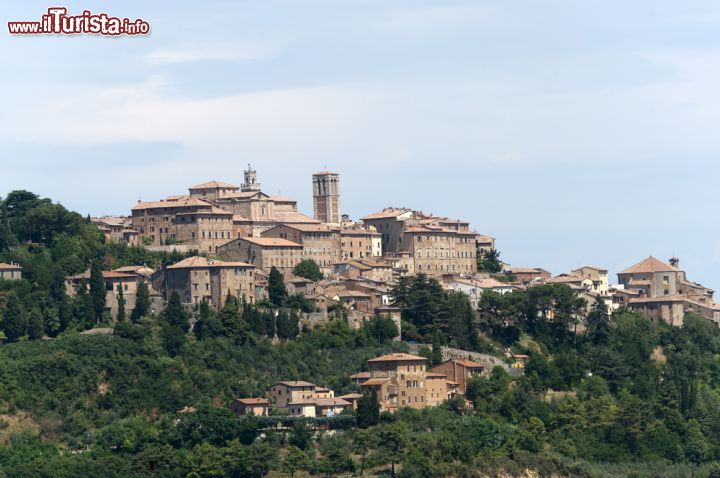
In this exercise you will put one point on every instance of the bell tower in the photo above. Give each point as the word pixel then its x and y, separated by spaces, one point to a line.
pixel 326 197
pixel 250 183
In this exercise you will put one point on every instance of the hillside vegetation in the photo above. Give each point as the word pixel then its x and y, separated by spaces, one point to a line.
pixel 626 398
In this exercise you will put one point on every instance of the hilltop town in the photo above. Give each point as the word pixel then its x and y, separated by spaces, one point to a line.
pixel 227 314
pixel 233 238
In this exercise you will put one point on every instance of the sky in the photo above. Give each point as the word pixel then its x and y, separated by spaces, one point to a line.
pixel 574 132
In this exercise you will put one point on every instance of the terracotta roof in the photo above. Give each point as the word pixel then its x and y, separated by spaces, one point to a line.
pixel 397 357
pixel 303 401
pixel 599 269
pixel 484 238
pixel 294 217
pixel 241 195
pixel 525 270
pixel 142 270
pixel 253 401
pixel 184 202
pixel 375 381
pixel 200 262
pixel 294 383
pixel 331 402
pixel 281 198
pixel 649 265
pixel 269 241
pixel 106 275
pixel 213 185
pixel 9 267
pixel 361 375
pixel 387 213
pixel 351 396
pixel 111 220
pixel 565 278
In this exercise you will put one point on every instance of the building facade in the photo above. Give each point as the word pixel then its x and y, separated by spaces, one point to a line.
pixel 10 271
pixel 264 252
pixel 437 245
pixel 198 278
pixel 321 243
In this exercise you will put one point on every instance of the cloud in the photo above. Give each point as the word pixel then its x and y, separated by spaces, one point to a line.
pixel 248 51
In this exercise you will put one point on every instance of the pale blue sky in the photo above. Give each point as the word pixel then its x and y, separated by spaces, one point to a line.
pixel 576 132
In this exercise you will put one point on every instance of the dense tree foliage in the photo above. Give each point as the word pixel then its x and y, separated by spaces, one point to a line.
pixel 308 269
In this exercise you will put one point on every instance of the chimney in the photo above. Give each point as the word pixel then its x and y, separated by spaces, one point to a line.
pixel 675 262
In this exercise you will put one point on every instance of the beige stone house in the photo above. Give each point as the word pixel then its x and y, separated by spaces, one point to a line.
pixel 358 243
pixel 114 281
pixel 662 292
pixel 437 245
pixel 263 252
pixel 291 391
pixel 199 278
pixel 250 406
pixel 183 220
pixel 10 271
pixel 401 380
pixel 460 372
pixel 321 243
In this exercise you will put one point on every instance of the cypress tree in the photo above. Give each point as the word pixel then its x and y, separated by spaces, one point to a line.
pixel 14 323
pixel 97 290
pixel 36 325
pixel 121 304
pixel 276 287
pixel 142 303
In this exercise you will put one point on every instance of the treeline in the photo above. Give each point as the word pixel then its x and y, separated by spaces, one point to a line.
pixel 51 243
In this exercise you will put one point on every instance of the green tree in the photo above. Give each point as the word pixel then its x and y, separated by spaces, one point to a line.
pixel 295 460
pixel 121 304
pixel 393 438
pixel 142 302
pixel 174 325
pixel 97 290
pixel 489 261
pixel 36 324
pixel 598 322
pixel 276 287
pixel 14 323
pixel 368 412
pixel 308 269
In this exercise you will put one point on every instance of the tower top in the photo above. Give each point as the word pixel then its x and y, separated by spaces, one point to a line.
pixel 250 183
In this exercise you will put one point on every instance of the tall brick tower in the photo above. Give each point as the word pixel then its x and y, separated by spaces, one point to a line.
pixel 326 197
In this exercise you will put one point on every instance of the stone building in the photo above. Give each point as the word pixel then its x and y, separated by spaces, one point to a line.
pixel 321 243
pixel 212 190
pixel 264 252
pixel 198 278
pixel 114 281
pixel 10 271
pixel 183 220
pixel 437 245
pixel 662 292
pixel 598 276
pixel 484 243
pixel 460 372
pixel 117 229
pixel 250 406
pixel 525 275
pixel 326 197
pixel 401 380
pixel 360 244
